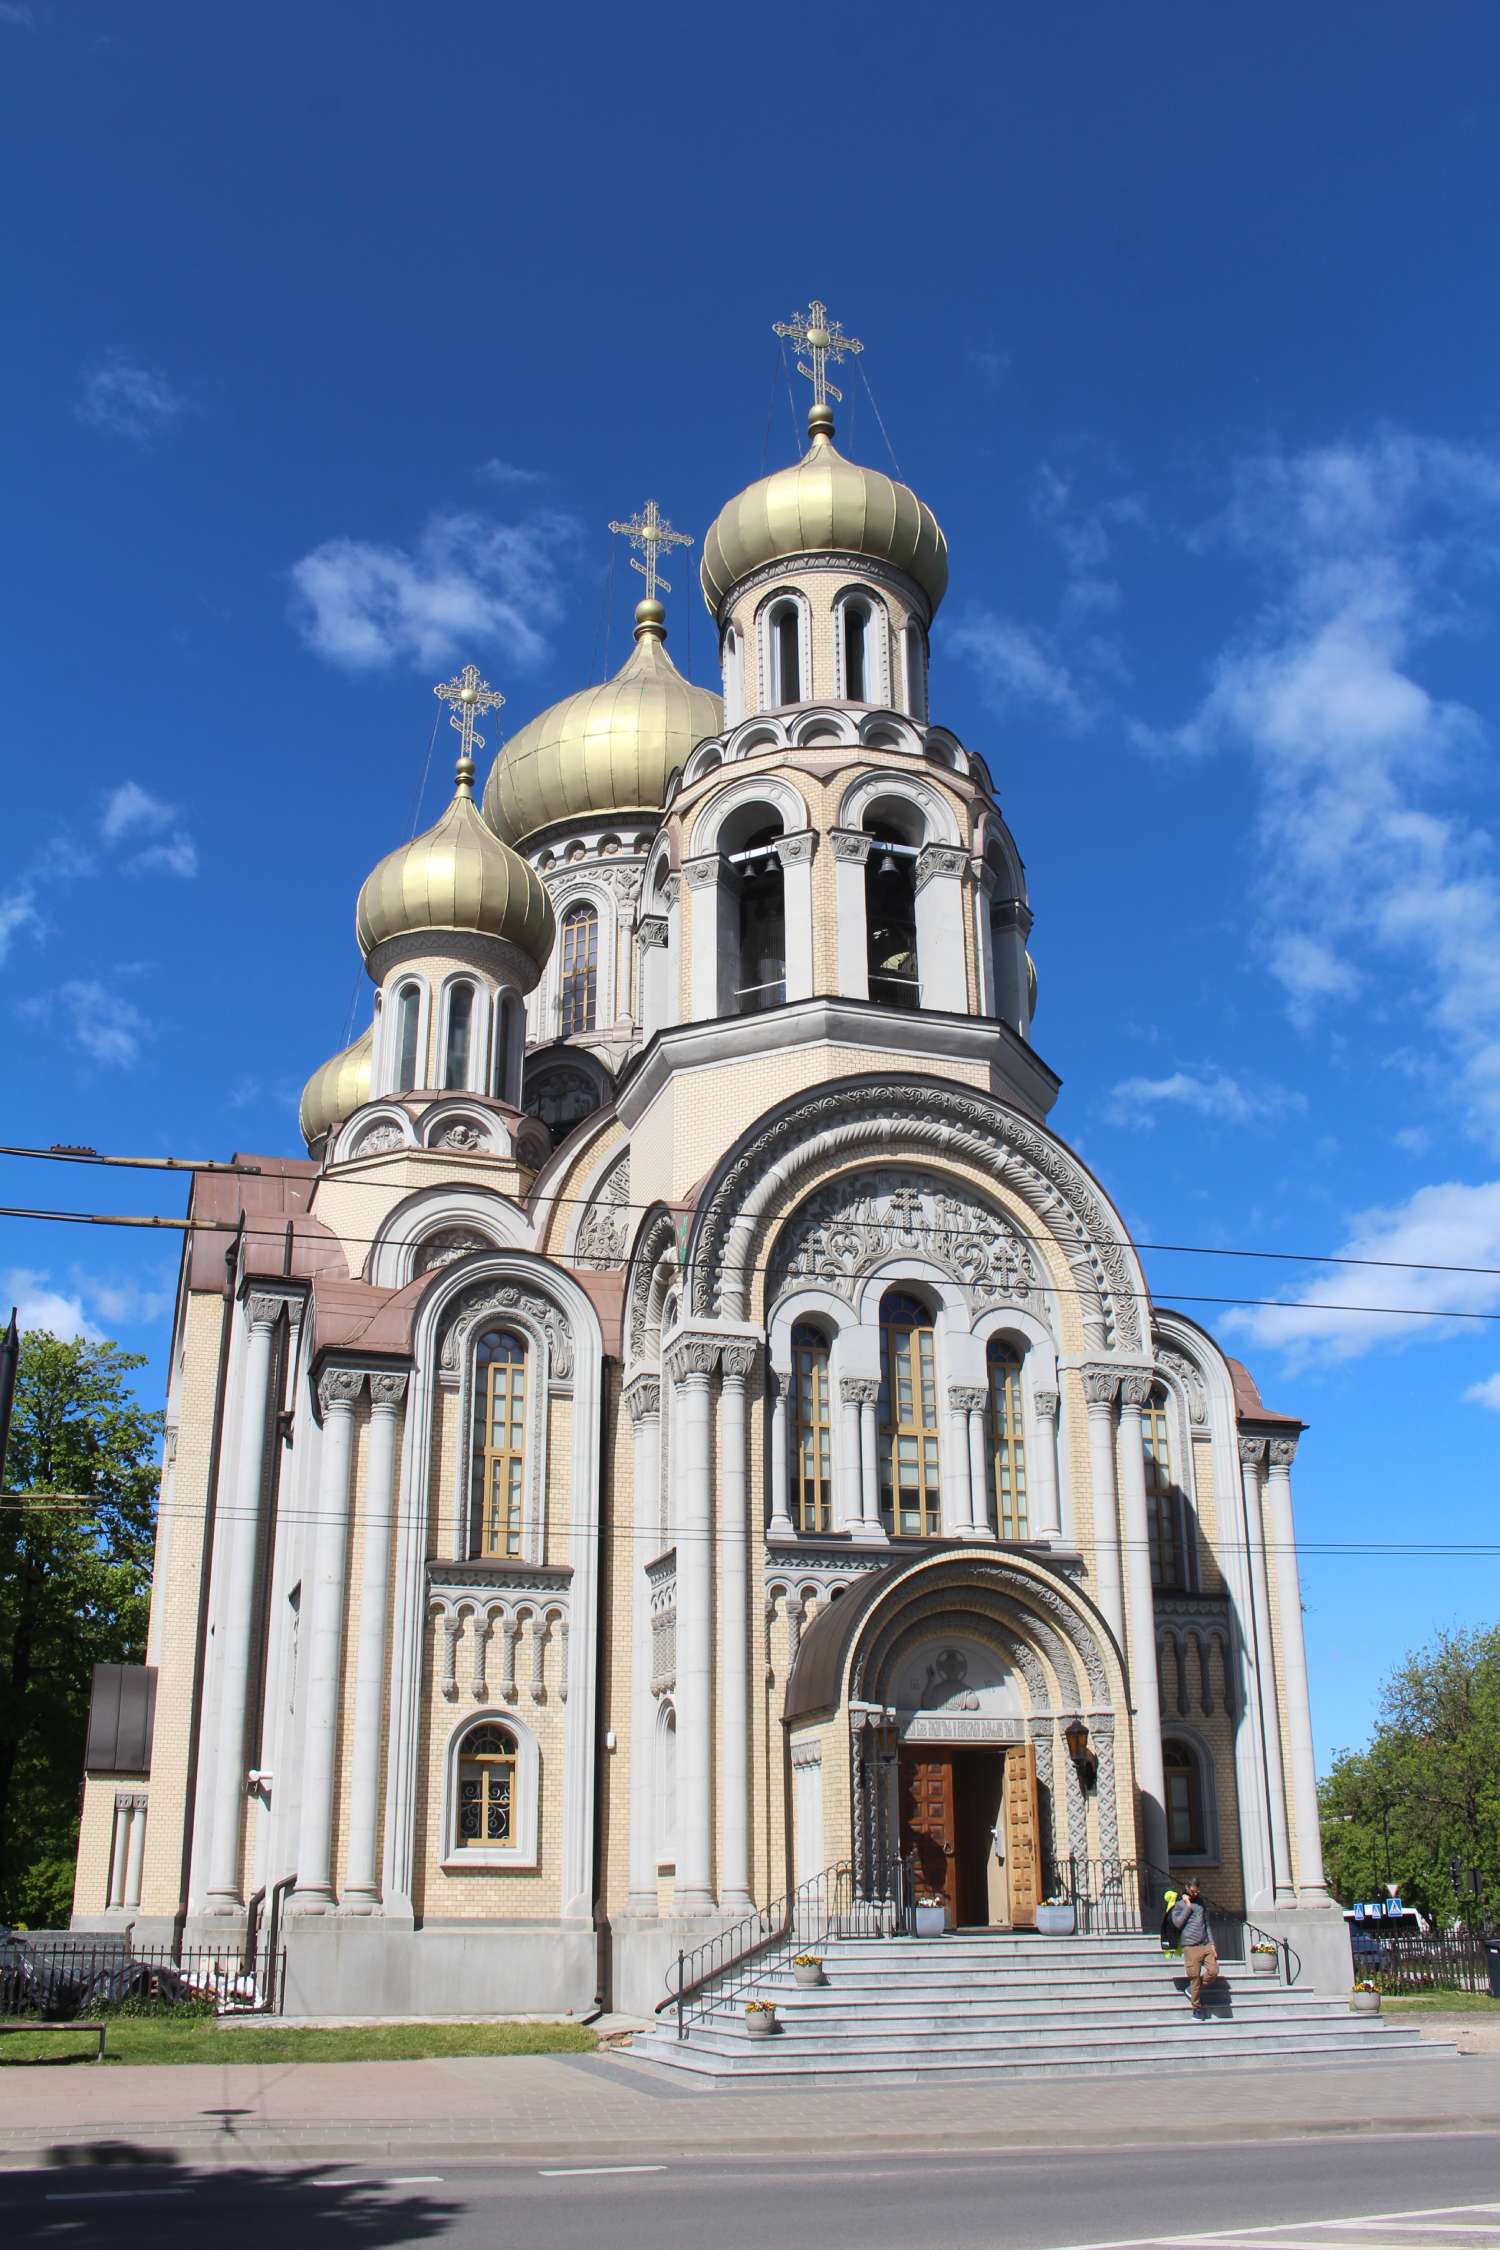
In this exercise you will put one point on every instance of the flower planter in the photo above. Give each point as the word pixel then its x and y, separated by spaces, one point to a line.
pixel 761 2024
pixel 932 1921
pixel 1263 1964
pixel 1057 1921
pixel 1364 2003
pixel 809 1978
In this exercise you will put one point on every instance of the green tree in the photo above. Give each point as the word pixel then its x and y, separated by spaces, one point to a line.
pixel 74 1587
pixel 1421 1806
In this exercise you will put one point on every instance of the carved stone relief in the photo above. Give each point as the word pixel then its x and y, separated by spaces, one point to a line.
pixel 853 1225
pixel 514 1297
pixel 447 1246
pixel 602 1233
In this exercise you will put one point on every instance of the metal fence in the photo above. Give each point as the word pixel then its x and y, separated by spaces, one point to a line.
pixel 84 1977
pixel 1436 1963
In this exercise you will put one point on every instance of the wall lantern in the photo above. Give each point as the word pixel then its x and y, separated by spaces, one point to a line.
pixel 1076 1736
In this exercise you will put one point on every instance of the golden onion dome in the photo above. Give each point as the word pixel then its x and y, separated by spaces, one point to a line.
pixel 824 504
pixel 606 749
pixel 337 1090
pixel 459 876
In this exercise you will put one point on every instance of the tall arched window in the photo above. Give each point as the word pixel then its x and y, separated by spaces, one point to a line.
pixel 580 971
pixel 1184 1782
pixel 486 1789
pixel 891 918
pixel 1163 1499
pixel 734 679
pixel 786 653
pixel 916 672
pixel 499 1492
pixel 910 1493
pixel 1007 1441
pixel 460 1032
pixel 812 1429
pixel 760 978
pixel 666 1787
pixel 500 1084
pixel 857 666
pixel 408 1019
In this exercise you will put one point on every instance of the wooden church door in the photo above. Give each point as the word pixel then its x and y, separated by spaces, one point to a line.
pixel 929 1825
pixel 1022 1829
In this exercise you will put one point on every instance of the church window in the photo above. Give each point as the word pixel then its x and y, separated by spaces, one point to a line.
pixel 910 1495
pixel 856 652
pixel 786 654
pixel 499 1502
pixel 580 971
pixel 1184 1787
pixel 487 1789
pixel 1007 1442
pixel 916 672
pixel 408 1019
pixel 562 1097
pixel 460 1032
pixel 759 980
pixel 734 679
pixel 1164 1500
pixel 812 1430
pixel 891 919
pixel 500 1079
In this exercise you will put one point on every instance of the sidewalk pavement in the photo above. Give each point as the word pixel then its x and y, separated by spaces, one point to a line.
pixel 608 2107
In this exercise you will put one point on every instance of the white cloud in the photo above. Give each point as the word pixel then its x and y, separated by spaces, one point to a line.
pixel 1449 1223
pixel 129 401
pixel 39 1305
pixel 1207 1092
pixel 132 811
pixel 177 855
pixel 1415 1139
pixel 14 12
pixel 469 581
pixel 509 473
pixel 109 1030
pixel 1364 552
pixel 1018 664
pixel 18 912
pixel 122 1304
pixel 1486 1393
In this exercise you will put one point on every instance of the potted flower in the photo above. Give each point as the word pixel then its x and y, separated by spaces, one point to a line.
pixel 807 1968
pixel 1057 1917
pixel 932 1915
pixel 760 2018
pixel 1263 1961
pixel 1364 2000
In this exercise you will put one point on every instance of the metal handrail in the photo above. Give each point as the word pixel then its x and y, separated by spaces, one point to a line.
pixel 750 1949
pixel 1112 1894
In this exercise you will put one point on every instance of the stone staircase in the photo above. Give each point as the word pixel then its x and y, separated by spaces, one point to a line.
pixel 981 2005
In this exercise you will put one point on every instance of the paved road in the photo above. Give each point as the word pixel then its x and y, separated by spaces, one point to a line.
pixel 1270 2196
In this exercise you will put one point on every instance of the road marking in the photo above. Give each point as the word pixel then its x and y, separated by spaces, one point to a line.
pixel 1284 2237
pixel 113 2195
pixel 593 2171
pixel 416 2179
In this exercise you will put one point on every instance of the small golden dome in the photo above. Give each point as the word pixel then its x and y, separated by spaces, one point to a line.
pixel 824 504
pixel 606 749
pixel 459 876
pixel 337 1090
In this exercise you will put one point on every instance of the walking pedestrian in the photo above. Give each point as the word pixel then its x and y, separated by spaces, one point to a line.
pixel 1190 1917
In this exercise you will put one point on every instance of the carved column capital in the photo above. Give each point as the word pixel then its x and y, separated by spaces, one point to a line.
pixel 692 1358
pixel 643 1397
pixel 1252 1451
pixel 738 1359
pixel 797 849
pixel 387 1391
pixel 672 888
pixel 652 930
pixel 850 844
pixel 339 1389
pixel 263 1312
pixel 858 1390
pixel 1045 1404
pixel 1100 1386
pixel 1283 1454
pixel 702 874
pixel 939 859
pixel 966 1398
pixel 1135 1391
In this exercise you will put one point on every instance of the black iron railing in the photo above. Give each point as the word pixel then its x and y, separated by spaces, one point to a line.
pixel 829 1905
pixel 1124 1897
pixel 63 1980
pixel 1440 1962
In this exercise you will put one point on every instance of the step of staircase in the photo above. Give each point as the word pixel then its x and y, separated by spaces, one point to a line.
pixel 969 2005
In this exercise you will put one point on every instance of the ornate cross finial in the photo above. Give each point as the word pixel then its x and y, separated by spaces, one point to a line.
pixel 469 695
pixel 649 530
pixel 823 340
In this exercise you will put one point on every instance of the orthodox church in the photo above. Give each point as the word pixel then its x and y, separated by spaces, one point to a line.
pixel 688 1423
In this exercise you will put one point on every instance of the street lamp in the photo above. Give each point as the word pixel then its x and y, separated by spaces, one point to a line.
pixel 1076 1737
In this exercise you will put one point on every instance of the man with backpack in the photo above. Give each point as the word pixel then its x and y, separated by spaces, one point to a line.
pixel 1189 1917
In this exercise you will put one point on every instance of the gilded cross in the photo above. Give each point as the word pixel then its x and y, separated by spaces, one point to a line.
pixel 823 340
pixel 469 695
pixel 649 530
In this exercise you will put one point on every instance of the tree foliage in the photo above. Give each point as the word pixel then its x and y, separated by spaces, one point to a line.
pixel 1428 1787
pixel 74 1587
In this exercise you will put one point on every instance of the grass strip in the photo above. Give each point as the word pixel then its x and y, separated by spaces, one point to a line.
pixel 138 2039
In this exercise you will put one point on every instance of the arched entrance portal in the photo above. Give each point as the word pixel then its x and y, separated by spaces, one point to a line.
pixel 948 1683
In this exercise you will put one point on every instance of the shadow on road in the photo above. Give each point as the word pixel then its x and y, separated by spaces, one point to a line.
pixel 124 2193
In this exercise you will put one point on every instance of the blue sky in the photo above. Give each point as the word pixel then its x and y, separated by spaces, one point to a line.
pixel 335 335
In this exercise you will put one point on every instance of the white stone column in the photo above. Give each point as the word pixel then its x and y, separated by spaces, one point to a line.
pixel 968 1403
pixel 736 1362
pixel 362 1864
pixel 1150 1774
pixel 847 1482
pixel 338 1393
pixel 1044 1503
pixel 135 1852
pixel 1312 1889
pixel 232 1614
pixel 672 891
pixel 119 1852
pixel 781 1525
pixel 691 1361
pixel 703 881
pixel 643 1398
pixel 795 853
pixel 942 957
pixel 862 1443
pixel 1252 1456
pixel 851 849
pixel 1100 1385
pixel 1009 928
